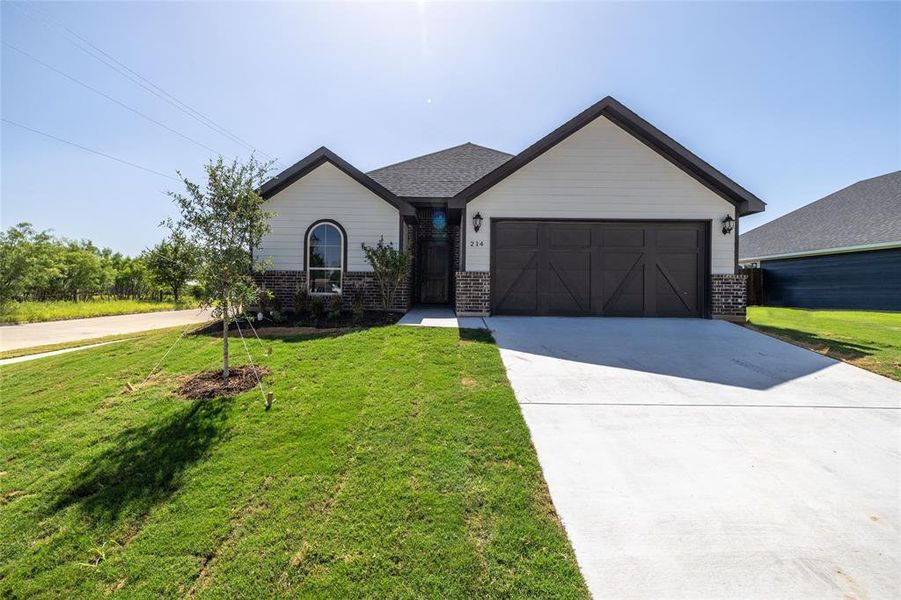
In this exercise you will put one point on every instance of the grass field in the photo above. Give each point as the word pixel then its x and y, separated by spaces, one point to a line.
pixel 870 340
pixel 394 463
pixel 34 312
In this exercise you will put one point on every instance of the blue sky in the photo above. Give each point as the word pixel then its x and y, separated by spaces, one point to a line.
pixel 793 101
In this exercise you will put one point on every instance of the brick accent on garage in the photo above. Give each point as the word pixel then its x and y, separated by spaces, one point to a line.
pixel 473 292
pixel 284 285
pixel 729 296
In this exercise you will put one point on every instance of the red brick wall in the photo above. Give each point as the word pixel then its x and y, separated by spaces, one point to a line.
pixel 473 292
pixel 729 296
pixel 284 285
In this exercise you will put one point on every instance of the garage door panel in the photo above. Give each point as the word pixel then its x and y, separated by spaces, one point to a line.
pixel 600 268
pixel 567 290
pixel 678 238
pixel 516 235
pixel 628 237
pixel 673 300
pixel 569 237
pixel 516 260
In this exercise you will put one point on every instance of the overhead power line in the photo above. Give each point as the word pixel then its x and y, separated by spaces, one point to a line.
pixel 91 150
pixel 108 97
pixel 124 70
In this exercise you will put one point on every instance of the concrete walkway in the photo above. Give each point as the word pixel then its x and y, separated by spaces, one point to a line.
pixel 14 337
pixel 440 316
pixel 699 459
pixel 30 357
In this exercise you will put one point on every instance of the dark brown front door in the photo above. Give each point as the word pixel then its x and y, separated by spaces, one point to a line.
pixel 435 272
pixel 629 269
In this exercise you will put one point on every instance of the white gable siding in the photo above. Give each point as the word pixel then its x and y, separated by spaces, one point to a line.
pixel 326 193
pixel 600 172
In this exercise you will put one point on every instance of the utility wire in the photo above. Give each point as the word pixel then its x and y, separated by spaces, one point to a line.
pixel 91 150
pixel 138 79
pixel 108 97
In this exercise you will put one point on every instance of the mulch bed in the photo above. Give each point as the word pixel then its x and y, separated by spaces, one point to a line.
pixel 209 384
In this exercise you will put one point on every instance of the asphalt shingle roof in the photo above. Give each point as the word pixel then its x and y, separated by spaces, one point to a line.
pixel 867 212
pixel 440 174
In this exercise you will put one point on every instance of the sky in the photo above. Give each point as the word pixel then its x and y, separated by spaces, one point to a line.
pixel 791 100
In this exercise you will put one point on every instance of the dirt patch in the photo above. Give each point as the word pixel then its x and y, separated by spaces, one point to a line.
pixel 467 382
pixel 209 384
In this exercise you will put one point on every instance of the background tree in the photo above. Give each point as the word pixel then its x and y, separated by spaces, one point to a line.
pixel 17 258
pixel 223 220
pixel 390 267
pixel 171 263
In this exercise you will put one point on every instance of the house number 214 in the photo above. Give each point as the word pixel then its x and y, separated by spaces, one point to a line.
pixel 474 243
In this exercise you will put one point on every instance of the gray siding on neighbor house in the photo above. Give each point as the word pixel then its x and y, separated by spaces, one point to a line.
pixel 854 280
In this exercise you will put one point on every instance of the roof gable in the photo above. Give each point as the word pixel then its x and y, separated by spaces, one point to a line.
pixel 307 164
pixel 616 112
pixel 866 213
pixel 440 174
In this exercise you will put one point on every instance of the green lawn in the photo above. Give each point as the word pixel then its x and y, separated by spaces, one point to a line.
pixel 33 312
pixel 394 463
pixel 870 340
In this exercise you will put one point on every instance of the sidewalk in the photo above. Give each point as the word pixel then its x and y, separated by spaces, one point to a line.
pixel 14 337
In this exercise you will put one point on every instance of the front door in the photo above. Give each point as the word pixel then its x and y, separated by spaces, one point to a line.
pixel 435 271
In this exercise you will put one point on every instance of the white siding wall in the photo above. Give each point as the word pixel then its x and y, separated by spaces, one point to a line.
pixel 600 172
pixel 326 193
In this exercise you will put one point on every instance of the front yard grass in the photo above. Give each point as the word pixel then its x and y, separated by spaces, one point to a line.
pixel 870 340
pixel 394 463
pixel 60 310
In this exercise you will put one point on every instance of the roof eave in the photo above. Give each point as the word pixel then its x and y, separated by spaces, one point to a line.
pixel 322 155
pixel 746 202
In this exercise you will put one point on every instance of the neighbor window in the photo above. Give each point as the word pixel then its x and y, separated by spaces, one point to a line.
pixel 325 259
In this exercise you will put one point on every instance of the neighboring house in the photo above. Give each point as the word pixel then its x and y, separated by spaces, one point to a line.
pixel 606 215
pixel 842 251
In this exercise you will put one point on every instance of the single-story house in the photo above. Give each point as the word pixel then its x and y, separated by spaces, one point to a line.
pixel 841 252
pixel 606 215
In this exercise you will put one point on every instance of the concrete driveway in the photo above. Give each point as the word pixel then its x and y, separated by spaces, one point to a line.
pixel 13 337
pixel 698 459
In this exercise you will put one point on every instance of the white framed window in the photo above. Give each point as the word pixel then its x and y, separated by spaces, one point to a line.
pixel 325 258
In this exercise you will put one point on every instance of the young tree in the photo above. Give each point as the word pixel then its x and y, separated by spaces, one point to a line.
pixel 390 267
pixel 171 263
pixel 223 220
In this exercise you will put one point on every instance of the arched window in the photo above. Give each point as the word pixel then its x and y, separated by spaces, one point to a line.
pixel 325 258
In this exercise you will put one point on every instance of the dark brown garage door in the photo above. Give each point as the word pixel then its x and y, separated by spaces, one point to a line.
pixel 627 269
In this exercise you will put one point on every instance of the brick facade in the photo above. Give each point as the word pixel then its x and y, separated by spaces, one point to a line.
pixel 473 292
pixel 284 285
pixel 728 296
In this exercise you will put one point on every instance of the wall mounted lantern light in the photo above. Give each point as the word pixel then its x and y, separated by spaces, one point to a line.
pixel 728 224
pixel 477 221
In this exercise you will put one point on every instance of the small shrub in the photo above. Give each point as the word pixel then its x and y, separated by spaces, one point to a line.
pixel 334 308
pixel 390 268
pixel 264 299
pixel 358 307
pixel 317 308
pixel 301 301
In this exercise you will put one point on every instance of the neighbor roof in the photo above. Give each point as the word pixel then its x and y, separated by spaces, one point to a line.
pixel 746 202
pixel 866 213
pixel 440 174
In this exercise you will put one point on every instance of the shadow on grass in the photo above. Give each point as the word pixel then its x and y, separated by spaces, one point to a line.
pixel 482 336
pixel 834 348
pixel 145 464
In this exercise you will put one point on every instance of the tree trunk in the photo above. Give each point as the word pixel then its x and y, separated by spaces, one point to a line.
pixel 225 342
